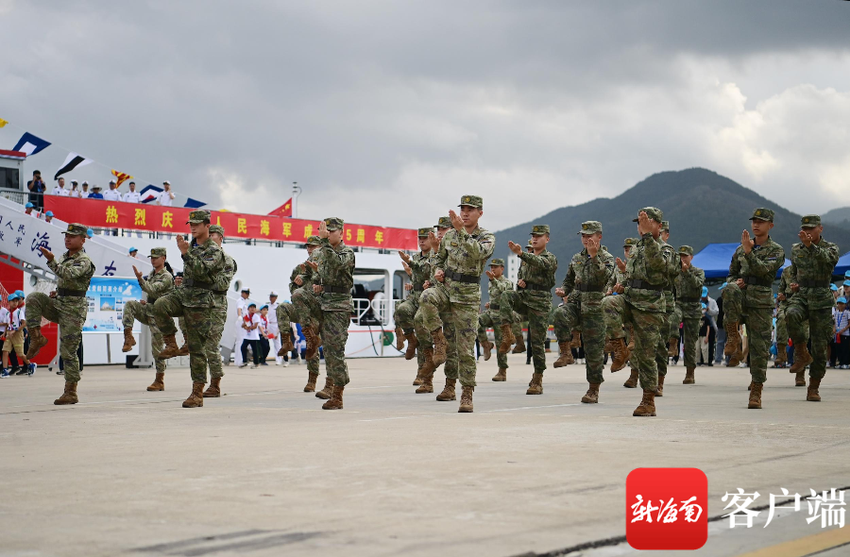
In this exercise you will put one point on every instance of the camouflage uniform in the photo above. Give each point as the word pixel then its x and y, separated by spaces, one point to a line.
pixel 781 323
pixel 452 305
pixel 661 356
pixel 69 307
pixel 490 317
pixel 221 285
pixel 811 269
pixel 584 287
pixel 155 285
pixel 688 287
pixel 405 313
pixel 195 300
pixel 753 305
pixel 642 304
pixel 305 302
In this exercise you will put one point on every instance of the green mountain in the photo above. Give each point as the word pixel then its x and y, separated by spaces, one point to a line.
pixel 837 217
pixel 702 206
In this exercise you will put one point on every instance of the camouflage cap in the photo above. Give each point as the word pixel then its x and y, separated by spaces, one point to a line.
pixel 423 232
pixel 653 213
pixel 199 216
pixel 471 201
pixel 75 229
pixel 686 250
pixel 810 221
pixel 334 223
pixel 497 262
pixel 529 244
pixel 539 229
pixel 591 227
pixel 665 225
pixel 157 252
pixel 314 241
pixel 762 213
pixel 217 228
pixel 444 222
pixel 630 242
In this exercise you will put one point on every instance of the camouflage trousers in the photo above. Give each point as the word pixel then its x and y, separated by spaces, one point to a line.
pixel 538 322
pixel 487 320
pixel 820 325
pixel 690 340
pixel 759 322
pixel 675 321
pixel 200 329
pixel 661 357
pixel 287 314
pixel 212 349
pixel 143 313
pixel 782 335
pixel 70 313
pixel 648 328
pixel 333 328
pixel 589 317
pixel 459 323
pixel 405 312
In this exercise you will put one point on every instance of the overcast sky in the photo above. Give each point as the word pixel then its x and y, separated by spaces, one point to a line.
pixel 386 112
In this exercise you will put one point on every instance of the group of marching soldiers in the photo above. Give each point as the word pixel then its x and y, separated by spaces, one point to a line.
pixel 623 307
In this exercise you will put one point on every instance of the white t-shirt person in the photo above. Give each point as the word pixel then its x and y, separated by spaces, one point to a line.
pixel 5 318
pixel 166 198
pixel 254 334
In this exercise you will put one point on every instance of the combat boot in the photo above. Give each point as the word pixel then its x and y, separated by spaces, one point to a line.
pixel 313 342
pixel 520 345
pixel 802 358
pixel 196 399
pixel 592 394
pixel 129 341
pixel 399 338
pixel 800 379
pixel 673 348
pixel 418 380
pixel 487 348
pixel 326 393
pixel 507 339
pixel 647 404
pixel 439 355
pixel 158 383
pixel 566 356
pixel 781 357
pixel 536 385
pixel 427 385
pixel 576 340
pixel 812 394
pixel 733 338
pixel 466 400
pixel 214 390
pixel 632 381
pixel 755 396
pixel 170 350
pixel 37 342
pixel 310 387
pixel 659 391
pixel 448 391
pixel 689 376
pixel 70 394
pixel 286 345
pixel 412 344
pixel 502 375
pixel 750 388
pixel 621 354
pixel 184 350
pixel 426 367
pixel 335 402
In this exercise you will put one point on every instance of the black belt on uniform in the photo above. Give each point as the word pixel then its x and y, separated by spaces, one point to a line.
pixel 494 306
pixel 220 292
pixel 418 288
pixel 69 292
pixel 589 288
pixel 460 277
pixel 538 287
pixel 758 281
pixel 688 300
pixel 644 285
pixel 192 283
pixel 336 289
pixel 814 283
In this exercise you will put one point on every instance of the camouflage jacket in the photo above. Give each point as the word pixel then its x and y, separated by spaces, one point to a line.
pixel 222 280
pixel 336 269
pixel 420 266
pixel 495 289
pixel 73 272
pixel 592 273
pixel 619 277
pixel 157 284
pixel 650 263
pixel 675 268
pixel 761 264
pixel 785 286
pixel 201 264
pixel 814 263
pixel 467 254
pixel 306 272
pixel 688 287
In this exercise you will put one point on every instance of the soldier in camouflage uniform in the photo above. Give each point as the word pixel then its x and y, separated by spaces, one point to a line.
pixel 663 355
pixel 450 309
pixel 813 260
pixel 784 296
pixel 419 267
pixel 688 287
pixel 158 283
pixel 203 261
pixel 221 285
pixel 304 302
pixel 584 287
pixel 335 280
pixel 748 299
pixel 67 306
pixel 641 305
pixel 531 299
pixel 620 278
pixel 490 317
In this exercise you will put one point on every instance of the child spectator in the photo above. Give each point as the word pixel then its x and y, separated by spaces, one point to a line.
pixel 15 338
pixel 840 349
pixel 251 324
pixel 264 335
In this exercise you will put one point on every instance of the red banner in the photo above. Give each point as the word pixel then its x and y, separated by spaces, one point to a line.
pixel 99 213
